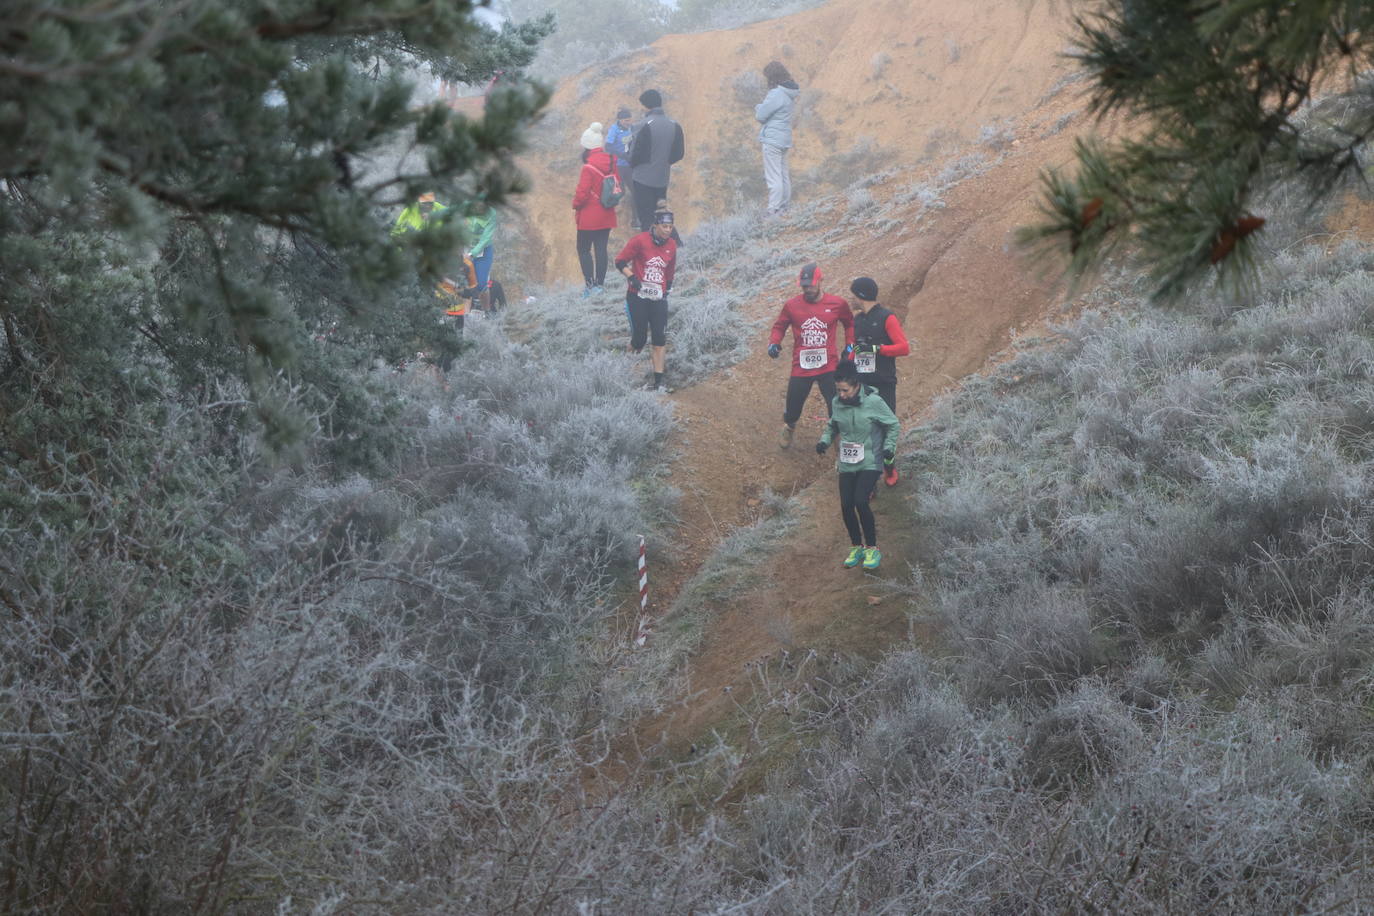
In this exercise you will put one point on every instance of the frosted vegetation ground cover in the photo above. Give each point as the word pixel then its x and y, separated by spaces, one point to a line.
pixel 1150 560
pixel 386 686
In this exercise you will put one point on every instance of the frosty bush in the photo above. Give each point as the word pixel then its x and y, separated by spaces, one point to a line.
pixel 225 685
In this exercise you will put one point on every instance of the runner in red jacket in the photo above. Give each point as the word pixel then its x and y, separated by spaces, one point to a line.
pixel 815 354
pixel 648 262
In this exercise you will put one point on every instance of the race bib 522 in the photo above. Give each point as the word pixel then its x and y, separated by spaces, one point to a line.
pixel 851 452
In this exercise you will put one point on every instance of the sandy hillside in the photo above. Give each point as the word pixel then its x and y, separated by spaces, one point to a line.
pixel 916 80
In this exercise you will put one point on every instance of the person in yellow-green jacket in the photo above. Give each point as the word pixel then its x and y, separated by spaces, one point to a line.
pixel 454 295
pixel 865 430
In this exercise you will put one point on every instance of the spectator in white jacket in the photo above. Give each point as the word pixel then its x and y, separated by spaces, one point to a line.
pixel 775 114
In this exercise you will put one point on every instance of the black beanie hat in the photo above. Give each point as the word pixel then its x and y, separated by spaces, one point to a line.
pixel 651 99
pixel 865 288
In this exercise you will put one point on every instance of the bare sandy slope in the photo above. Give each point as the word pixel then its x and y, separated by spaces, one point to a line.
pixel 927 82
pixel 917 79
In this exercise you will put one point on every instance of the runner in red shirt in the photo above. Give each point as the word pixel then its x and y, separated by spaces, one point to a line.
pixel 815 354
pixel 648 261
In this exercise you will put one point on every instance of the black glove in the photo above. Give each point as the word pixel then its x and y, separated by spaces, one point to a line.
pixel 888 455
pixel 633 284
pixel 821 447
pixel 774 350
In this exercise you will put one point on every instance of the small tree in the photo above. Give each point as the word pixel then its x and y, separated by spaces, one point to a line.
pixel 1218 98
pixel 205 187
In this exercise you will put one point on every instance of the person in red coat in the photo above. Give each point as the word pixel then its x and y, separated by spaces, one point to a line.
pixel 812 316
pixel 594 222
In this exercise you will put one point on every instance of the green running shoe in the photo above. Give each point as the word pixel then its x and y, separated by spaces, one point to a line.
pixel 872 557
pixel 856 555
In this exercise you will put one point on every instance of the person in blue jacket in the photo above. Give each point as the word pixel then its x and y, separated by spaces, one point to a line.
pixel 618 145
pixel 775 114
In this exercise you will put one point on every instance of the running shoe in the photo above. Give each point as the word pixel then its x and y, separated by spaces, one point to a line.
pixel 872 557
pixel 890 475
pixel 855 557
pixel 785 440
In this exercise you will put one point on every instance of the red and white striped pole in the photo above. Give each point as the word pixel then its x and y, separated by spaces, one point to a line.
pixel 642 636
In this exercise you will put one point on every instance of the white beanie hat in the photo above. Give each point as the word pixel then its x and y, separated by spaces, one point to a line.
pixel 592 137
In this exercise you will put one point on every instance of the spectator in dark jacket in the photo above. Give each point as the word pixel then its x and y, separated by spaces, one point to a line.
pixel 658 143
pixel 594 221
pixel 775 114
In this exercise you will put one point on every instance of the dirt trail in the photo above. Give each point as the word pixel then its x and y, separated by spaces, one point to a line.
pixel 960 297
pixel 924 83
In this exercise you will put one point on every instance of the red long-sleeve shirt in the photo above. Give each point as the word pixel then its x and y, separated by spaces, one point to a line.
pixel 654 262
pixel 814 349
pixel 900 346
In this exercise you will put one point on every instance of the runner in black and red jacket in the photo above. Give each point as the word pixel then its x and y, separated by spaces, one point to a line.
pixel 648 262
pixel 878 339
pixel 812 317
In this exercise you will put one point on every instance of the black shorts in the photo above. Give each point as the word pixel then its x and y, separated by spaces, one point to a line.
pixel 648 320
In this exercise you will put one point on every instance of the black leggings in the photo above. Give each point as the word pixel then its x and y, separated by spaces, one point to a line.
pixel 855 489
pixel 589 242
pixel 887 390
pixel 799 389
pixel 647 315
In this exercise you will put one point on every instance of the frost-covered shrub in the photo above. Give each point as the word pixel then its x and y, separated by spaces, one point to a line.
pixel 1082 736
pixel 335 692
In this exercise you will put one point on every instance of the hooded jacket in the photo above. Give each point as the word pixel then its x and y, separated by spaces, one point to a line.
pixel 870 423
pixel 587 198
pixel 775 114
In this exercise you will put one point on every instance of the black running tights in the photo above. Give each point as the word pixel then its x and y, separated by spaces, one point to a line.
pixel 799 389
pixel 855 489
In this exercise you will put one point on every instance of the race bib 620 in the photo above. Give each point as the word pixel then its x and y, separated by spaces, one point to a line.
pixel 812 359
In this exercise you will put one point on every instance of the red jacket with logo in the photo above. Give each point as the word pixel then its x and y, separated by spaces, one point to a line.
pixel 587 198
pixel 654 262
pixel 814 350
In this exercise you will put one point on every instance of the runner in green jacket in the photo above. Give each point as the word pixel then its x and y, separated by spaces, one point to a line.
pixel 865 429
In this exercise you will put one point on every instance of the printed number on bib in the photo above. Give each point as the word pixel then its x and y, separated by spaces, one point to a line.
pixel 866 362
pixel 650 291
pixel 851 452
pixel 812 359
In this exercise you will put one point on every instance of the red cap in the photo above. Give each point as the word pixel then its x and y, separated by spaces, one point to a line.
pixel 810 275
